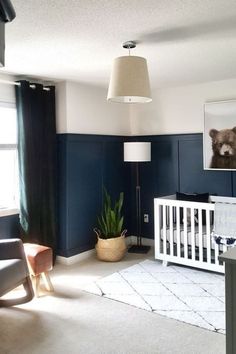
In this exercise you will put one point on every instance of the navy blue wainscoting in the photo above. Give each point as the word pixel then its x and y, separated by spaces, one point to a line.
pixel 86 164
pixel 117 176
pixel 9 226
pixel 192 177
pixel 158 177
pixel 233 174
pixel 177 165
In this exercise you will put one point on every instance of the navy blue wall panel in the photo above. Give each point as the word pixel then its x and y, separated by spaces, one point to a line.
pixel 86 164
pixel 89 162
pixel 63 211
pixel 117 176
pixel 84 193
pixel 233 174
pixel 159 177
pixel 147 185
pixel 177 165
pixel 9 226
pixel 80 180
pixel 192 177
pixel 165 167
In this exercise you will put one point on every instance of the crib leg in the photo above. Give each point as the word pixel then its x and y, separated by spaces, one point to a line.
pixel 165 263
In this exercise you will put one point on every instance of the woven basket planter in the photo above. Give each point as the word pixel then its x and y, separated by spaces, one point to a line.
pixel 112 249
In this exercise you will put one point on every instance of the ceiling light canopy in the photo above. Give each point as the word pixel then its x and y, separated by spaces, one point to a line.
pixel 129 82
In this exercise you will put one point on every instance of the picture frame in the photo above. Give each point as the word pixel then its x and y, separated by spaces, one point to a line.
pixel 219 136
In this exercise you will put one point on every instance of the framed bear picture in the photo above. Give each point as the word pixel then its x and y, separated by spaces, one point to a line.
pixel 219 137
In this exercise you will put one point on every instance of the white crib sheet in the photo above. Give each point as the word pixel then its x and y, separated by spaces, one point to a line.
pixel 204 236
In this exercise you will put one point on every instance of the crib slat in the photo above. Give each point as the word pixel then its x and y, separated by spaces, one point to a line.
pixel 216 261
pixel 185 234
pixel 192 234
pixel 171 246
pixel 200 237
pixel 157 210
pixel 164 228
pixel 225 248
pixel 171 232
pixel 178 230
pixel 208 236
pixel 214 245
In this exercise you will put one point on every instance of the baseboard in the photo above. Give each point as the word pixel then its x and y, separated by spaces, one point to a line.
pixel 130 240
pixel 76 258
pixel 145 241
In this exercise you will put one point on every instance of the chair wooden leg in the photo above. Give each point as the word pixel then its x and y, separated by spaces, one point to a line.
pixel 37 285
pixel 47 281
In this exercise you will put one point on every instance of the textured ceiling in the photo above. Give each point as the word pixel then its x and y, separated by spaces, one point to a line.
pixel 184 41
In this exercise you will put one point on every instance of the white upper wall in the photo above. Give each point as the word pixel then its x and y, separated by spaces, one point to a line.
pixel 61 106
pixel 7 92
pixel 83 109
pixel 179 109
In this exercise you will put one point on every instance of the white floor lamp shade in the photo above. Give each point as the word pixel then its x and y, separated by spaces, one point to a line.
pixel 137 152
pixel 129 82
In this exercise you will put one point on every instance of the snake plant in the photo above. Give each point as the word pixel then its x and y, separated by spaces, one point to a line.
pixel 110 221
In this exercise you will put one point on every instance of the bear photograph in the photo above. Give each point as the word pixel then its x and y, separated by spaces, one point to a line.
pixel 219 138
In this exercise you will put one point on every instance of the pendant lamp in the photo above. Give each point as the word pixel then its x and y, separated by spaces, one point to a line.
pixel 129 82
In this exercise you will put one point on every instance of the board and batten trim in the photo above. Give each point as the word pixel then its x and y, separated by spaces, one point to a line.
pixel 80 257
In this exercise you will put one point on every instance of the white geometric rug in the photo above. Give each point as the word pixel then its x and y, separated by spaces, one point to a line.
pixel 193 296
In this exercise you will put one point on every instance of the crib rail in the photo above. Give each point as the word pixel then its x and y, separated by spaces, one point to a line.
pixel 183 234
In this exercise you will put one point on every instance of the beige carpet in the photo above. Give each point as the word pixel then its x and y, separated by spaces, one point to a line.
pixel 72 321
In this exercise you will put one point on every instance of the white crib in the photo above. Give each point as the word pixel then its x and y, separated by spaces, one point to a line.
pixel 185 241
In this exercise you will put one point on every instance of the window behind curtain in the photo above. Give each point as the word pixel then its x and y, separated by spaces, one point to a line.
pixel 9 195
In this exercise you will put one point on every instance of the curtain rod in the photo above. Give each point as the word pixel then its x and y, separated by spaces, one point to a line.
pixel 8 82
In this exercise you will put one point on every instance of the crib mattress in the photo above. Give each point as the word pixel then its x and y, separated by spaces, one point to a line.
pixel 189 238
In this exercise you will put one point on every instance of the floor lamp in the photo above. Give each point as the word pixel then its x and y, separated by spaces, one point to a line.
pixel 138 152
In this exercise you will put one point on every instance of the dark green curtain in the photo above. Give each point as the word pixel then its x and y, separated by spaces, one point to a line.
pixel 37 163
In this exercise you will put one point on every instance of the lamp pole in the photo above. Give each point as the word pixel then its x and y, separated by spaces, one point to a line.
pixel 137 152
pixel 138 207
